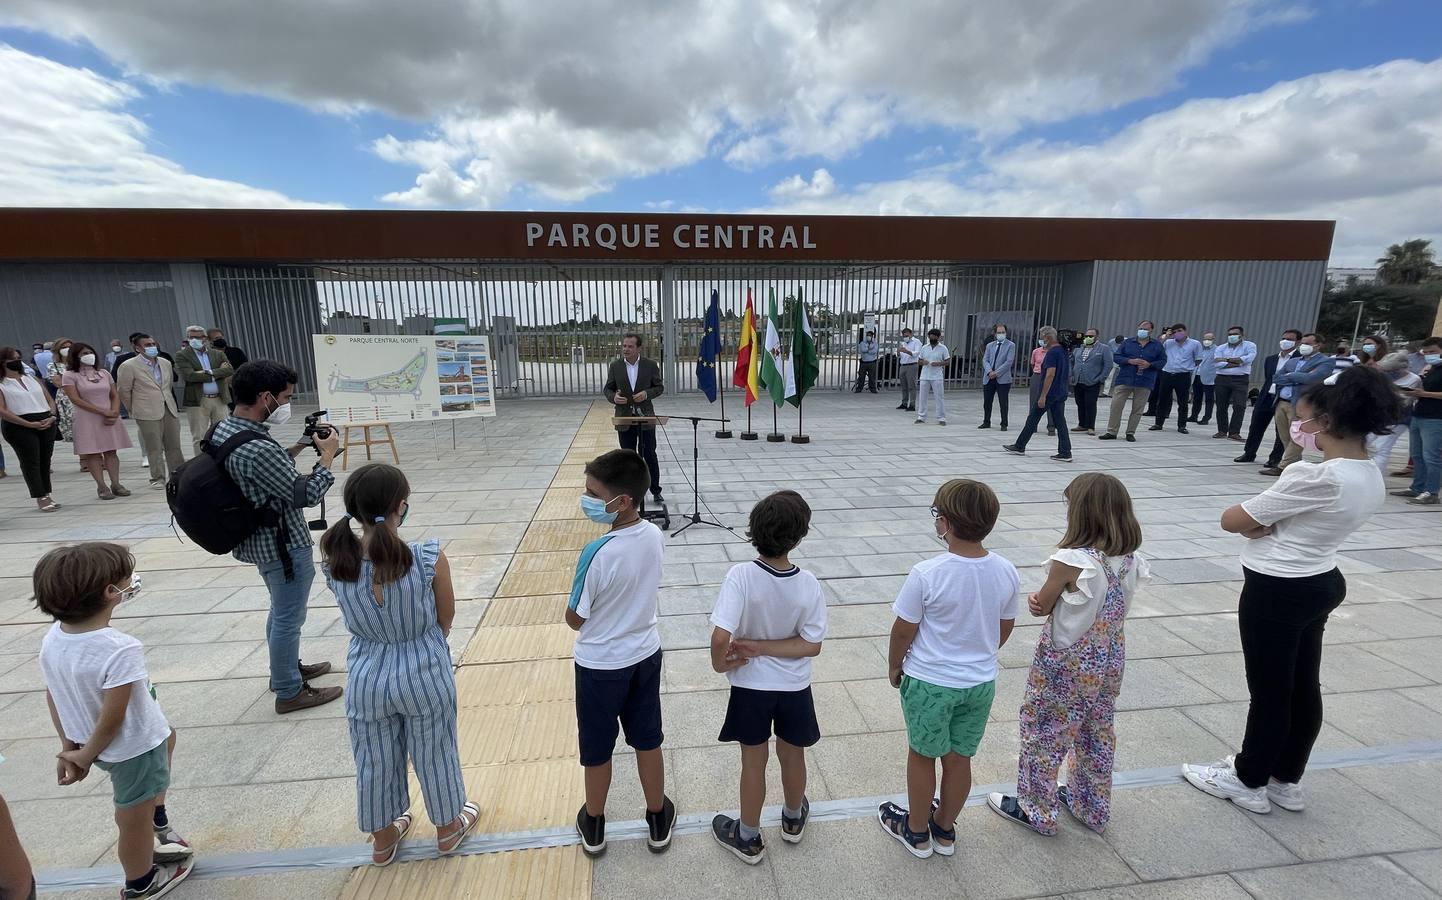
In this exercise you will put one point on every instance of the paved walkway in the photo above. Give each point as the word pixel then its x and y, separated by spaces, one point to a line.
pixel 254 789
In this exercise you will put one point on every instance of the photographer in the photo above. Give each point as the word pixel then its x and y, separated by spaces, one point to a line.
pixel 266 473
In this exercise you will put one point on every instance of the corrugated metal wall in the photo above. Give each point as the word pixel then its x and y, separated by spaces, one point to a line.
pixel 270 312
pixel 1263 297
pixel 91 302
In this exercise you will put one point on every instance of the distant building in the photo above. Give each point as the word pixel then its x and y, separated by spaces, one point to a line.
pixel 1341 278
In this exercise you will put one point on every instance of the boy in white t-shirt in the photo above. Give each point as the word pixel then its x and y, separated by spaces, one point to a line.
pixel 613 604
pixel 953 614
pixel 104 707
pixel 769 620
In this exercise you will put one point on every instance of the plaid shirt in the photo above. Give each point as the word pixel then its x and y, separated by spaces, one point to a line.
pixel 268 477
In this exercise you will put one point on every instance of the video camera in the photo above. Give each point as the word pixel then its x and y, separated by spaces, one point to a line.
pixel 314 428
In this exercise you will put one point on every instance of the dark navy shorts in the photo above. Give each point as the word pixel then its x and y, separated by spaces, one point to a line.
pixel 752 716
pixel 608 700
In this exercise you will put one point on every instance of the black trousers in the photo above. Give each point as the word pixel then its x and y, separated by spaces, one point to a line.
pixel 1086 405
pixel 643 441
pixel 1261 426
pixel 1281 621
pixel 1173 386
pixel 989 391
pixel 866 373
pixel 34 449
pixel 1200 393
pixel 1232 403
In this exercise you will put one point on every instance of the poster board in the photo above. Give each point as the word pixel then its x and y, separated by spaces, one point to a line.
pixel 404 378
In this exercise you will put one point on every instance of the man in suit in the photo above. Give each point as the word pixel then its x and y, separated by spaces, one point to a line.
pixel 1306 368
pixel 144 386
pixel 236 355
pixel 206 373
pixel 632 383
pixel 997 361
pixel 1265 408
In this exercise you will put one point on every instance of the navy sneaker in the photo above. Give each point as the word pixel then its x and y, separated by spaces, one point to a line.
pixel 660 825
pixel 793 829
pixel 1007 807
pixel 592 830
pixel 727 832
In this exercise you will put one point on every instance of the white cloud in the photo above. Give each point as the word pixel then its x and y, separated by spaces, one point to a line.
pixel 797 188
pixel 1362 146
pixel 564 98
pixel 66 140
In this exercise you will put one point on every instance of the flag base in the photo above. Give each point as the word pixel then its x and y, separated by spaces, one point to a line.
pixel 774 438
pixel 801 439
pixel 749 435
pixel 723 434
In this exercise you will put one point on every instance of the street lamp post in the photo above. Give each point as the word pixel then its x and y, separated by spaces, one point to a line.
pixel 1357 326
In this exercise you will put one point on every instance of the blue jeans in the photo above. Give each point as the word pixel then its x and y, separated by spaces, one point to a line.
pixel 1425 446
pixel 287 616
pixel 1055 412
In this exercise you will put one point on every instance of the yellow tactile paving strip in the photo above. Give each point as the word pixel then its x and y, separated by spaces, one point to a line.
pixel 517 727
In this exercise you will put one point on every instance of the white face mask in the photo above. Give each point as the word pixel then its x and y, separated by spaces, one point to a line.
pixel 1286 344
pixel 1206 343
pixel 1306 349
pixel 87 359
pixel 64 352
pixel 279 416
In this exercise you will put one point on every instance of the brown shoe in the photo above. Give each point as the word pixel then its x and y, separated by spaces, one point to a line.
pixel 308 698
pixel 1402 473
pixel 1236 437
pixel 314 670
pixel 1272 471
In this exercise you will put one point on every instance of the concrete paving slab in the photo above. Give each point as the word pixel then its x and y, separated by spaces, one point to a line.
pixel 695 868
pixel 1423 865
pixel 997 858
pixel 1217 837
pixel 1342 819
pixel 1335 880
pixel 1211 887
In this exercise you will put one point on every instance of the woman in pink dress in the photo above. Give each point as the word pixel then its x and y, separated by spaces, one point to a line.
pixel 98 432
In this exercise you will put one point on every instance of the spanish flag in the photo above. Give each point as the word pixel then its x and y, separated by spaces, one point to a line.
pixel 745 374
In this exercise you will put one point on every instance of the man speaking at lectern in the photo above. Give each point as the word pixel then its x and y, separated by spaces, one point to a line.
pixel 632 382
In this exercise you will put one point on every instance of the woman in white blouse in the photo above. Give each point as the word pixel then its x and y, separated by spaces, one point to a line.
pixel 27 420
pixel 1292 584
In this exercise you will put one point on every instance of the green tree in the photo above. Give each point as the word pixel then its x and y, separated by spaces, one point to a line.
pixel 1410 262
pixel 1404 312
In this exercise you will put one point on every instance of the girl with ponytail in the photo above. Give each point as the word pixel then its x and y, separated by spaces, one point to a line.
pixel 398 603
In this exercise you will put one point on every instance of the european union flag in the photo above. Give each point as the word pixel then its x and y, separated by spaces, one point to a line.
pixel 710 349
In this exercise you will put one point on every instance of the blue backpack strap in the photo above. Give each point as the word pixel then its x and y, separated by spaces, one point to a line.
pixel 583 565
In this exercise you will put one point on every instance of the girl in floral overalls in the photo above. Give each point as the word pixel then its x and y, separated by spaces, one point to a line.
pixel 1076 674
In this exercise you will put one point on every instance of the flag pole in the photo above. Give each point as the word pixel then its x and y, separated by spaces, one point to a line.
pixel 775 437
pixel 800 437
pixel 748 434
pixel 724 431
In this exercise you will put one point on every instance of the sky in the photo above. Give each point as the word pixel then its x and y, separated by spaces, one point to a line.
pixel 1319 109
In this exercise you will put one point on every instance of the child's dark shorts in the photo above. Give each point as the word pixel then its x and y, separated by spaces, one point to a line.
pixel 752 716
pixel 608 700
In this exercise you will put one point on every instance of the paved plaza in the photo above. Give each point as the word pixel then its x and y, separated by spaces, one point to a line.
pixel 269 802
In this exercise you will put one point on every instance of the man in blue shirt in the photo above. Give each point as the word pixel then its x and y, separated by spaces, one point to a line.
pixel 1233 362
pixel 1050 400
pixel 1306 367
pixel 1205 381
pixel 1138 363
pixel 867 350
pixel 1184 356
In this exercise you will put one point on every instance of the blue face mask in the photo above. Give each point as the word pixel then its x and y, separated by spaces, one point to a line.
pixel 152 352
pixel 1432 359
pixel 1234 338
pixel 595 509
pixel 1143 333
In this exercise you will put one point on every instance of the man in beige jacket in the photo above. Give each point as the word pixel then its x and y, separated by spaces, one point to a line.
pixel 144 386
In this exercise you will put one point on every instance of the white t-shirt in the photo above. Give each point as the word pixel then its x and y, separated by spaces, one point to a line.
pixel 619 598
pixel 78 668
pixel 24 395
pixel 760 603
pixel 913 347
pixel 959 604
pixel 930 354
pixel 1312 508
pixel 1077 610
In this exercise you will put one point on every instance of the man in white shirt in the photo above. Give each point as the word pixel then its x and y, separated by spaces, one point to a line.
pixel 908 358
pixel 632 384
pixel 934 358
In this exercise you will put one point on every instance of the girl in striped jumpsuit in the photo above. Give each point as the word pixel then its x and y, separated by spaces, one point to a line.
pixel 398 604
pixel 1076 674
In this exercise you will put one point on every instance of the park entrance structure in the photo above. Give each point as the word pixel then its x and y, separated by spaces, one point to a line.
pixel 556 291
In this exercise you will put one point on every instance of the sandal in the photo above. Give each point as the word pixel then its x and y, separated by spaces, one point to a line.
pixel 939 834
pixel 52 506
pixel 105 494
pixel 470 816
pixel 120 490
pixel 893 821
pixel 382 858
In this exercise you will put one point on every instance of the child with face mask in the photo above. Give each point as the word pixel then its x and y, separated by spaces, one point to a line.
pixel 105 709
pixel 613 606
pixel 398 604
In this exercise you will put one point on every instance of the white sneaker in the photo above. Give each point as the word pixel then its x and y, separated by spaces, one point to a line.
pixel 1286 794
pixel 1220 780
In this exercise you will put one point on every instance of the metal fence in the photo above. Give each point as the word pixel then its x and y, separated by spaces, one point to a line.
pixel 554 327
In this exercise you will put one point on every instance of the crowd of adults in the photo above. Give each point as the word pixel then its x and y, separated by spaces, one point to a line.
pixel 67 391
pixel 1157 375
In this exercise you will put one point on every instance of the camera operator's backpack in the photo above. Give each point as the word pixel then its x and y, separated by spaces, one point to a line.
pixel 209 506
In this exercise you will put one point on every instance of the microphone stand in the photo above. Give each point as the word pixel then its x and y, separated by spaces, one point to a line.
pixel 695 517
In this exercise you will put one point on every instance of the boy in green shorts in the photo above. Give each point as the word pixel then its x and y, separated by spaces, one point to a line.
pixel 104 708
pixel 953 614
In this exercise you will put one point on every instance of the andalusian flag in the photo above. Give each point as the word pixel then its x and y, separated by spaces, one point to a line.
pixel 771 362
pixel 802 365
pixel 746 355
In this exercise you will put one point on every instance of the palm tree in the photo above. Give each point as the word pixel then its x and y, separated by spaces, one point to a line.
pixel 1406 263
